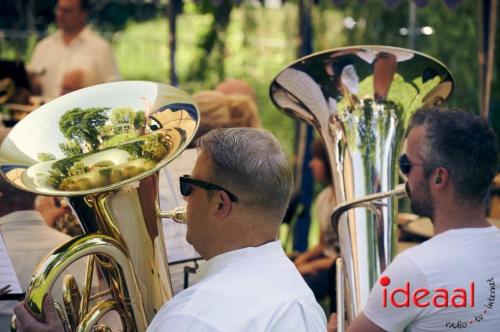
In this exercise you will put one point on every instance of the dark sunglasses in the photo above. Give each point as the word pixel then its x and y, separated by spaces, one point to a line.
pixel 187 183
pixel 405 164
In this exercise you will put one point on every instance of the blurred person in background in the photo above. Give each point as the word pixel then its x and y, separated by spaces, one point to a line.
pixel 28 239
pixel 315 263
pixel 74 56
pixel 235 86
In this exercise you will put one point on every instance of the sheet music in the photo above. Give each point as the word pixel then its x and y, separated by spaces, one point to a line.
pixel 178 249
pixel 7 273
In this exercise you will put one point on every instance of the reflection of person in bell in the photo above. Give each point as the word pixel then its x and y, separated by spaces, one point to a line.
pixel 446 282
pixel 384 68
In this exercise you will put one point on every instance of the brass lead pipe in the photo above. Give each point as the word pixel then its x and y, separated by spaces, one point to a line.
pixel 178 214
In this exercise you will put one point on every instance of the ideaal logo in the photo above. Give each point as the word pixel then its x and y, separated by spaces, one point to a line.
pixel 439 297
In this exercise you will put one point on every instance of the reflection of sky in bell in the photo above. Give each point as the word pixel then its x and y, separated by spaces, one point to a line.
pixel 39 131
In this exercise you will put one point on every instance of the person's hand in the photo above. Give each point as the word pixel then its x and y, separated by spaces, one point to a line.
pixel 301 259
pixel 307 268
pixel 49 210
pixel 25 322
pixel 332 323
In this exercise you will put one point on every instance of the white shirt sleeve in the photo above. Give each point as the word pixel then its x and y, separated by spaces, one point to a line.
pixel 36 63
pixel 394 313
pixel 106 65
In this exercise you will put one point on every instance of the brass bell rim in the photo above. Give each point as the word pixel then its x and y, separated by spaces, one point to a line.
pixel 354 47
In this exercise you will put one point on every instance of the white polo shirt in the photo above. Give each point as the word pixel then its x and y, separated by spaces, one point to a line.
pixel 251 289
pixel 88 52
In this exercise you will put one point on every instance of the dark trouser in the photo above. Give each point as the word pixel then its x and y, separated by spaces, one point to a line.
pixel 323 284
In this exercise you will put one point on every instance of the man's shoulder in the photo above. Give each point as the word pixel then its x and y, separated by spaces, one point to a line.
pixel 456 241
pixel 196 307
pixel 49 40
pixel 95 38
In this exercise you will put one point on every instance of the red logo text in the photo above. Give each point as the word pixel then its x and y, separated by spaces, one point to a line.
pixel 421 297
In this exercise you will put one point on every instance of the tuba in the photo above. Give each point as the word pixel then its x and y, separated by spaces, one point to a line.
pixel 102 147
pixel 360 99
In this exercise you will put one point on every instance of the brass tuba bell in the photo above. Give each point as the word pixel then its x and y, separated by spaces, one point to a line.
pixel 360 100
pixel 102 148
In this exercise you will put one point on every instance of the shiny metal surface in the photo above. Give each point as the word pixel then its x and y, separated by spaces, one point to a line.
pixel 99 138
pixel 102 147
pixel 360 99
pixel 178 214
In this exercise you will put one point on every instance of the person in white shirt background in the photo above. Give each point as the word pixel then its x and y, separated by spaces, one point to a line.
pixel 315 263
pixel 73 57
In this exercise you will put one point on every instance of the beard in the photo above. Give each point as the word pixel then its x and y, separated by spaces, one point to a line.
pixel 421 203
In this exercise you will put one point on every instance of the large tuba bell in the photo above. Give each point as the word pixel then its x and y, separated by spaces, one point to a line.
pixel 102 148
pixel 360 100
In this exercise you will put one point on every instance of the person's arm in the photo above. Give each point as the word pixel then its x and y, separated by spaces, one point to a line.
pixel 360 324
pixel 310 254
pixel 314 266
pixel 107 66
pixel 363 324
pixel 36 68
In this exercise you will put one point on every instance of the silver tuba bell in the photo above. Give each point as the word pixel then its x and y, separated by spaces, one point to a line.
pixel 102 148
pixel 360 100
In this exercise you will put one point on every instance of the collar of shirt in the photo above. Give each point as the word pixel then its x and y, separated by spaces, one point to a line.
pixel 240 256
pixel 81 37
pixel 24 215
pixel 469 230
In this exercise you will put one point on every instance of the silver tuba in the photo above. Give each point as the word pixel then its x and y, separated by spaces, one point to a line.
pixel 102 148
pixel 360 100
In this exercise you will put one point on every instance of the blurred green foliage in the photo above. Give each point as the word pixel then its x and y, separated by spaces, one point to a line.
pixel 254 43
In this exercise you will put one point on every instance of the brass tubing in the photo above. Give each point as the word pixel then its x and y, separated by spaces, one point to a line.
pixel 97 312
pixel 399 192
pixel 84 304
pixel 340 295
pixel 71 299
pixel 75 249
pixel 101 294
pixel 178 214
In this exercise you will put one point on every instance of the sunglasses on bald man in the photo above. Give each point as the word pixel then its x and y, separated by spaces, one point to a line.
pixel 187 183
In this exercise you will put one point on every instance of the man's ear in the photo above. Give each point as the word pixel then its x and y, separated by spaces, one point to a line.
pixel 440 178
pixel 224 204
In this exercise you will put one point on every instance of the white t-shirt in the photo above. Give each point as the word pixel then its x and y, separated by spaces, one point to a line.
pixel 451 261
pixel 52 59
pixel 251 289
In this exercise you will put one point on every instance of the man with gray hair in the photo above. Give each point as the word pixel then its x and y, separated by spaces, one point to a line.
pixel 237 195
